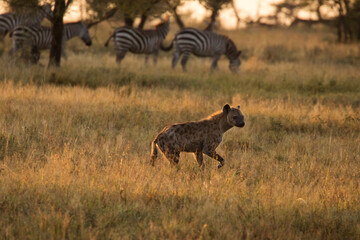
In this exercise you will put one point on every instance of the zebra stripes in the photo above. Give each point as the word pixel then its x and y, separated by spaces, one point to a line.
pixel 203 44
pixel 8 21
pixel 139 41
pixel 39 37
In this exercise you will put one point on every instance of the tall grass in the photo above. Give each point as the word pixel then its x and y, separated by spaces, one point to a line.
pixel 75 144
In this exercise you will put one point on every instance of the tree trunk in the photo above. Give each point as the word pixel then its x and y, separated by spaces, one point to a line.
pixel 340 21
pixel 57 33
pixel 178 20
pixel 358 33
pixel 211 25
pixel 347 27
pixel 320 3
pixel 236 14
pixel 129 21
pixel 143 20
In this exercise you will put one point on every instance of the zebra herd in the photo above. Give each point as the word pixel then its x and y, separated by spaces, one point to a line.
pixel 40 37
pixel 8 21
pixel 26 31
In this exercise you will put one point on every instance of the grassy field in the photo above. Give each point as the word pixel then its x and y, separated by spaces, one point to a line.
pixel 75 144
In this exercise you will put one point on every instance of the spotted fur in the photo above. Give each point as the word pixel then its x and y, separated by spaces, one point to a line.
pixel 198 137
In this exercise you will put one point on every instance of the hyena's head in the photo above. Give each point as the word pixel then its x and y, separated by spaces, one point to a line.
pixel 234 116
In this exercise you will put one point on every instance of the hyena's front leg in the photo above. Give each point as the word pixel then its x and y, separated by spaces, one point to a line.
pixel 213 154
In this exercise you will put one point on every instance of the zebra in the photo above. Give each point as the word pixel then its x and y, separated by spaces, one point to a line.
pixel 203 44
pixel 8 21
pixel 139 41
pixel 40 37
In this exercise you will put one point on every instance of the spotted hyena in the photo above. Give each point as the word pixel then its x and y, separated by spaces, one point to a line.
pixel 199 137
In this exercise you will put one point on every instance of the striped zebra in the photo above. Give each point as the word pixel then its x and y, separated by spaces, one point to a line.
pixel 39 37
pixel 8 21
pixel 203 44
pixel 139 41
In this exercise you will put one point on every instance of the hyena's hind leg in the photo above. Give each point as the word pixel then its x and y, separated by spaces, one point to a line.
pixel 172 155
pixel 154 152
pixel 200 159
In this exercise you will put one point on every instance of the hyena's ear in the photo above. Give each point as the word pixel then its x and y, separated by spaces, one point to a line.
pixel 226 109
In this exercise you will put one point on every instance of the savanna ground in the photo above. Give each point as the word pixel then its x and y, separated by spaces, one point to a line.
pixel 75 144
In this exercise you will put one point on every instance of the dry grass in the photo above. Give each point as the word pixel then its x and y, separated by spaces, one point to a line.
pixel 75 145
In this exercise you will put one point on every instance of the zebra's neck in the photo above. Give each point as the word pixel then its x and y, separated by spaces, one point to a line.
pixel 38 16
pixel 163 30
pixel 231 50
pixel 71 30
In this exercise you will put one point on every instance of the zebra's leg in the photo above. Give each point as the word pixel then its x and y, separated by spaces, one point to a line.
pixel 2 35
pixel 35 55
pixel 15 47
pixel 176 58
pixel 120 56
pixel 184 60
pixel 147 59
pixel 214 63
pixel 155 56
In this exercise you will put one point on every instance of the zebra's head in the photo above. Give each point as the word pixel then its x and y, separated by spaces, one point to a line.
pixel 84 34
pixel 233 55
pixel 235 62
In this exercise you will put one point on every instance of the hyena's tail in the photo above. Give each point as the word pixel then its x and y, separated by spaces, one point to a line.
pixel 154 151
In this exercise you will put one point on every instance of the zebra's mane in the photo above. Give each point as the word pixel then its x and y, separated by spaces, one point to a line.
pixel 230 45
pixel 162 23
pixel 73 23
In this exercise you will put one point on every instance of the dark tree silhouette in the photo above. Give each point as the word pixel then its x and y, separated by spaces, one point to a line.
pixel 57 31
pixel 215 6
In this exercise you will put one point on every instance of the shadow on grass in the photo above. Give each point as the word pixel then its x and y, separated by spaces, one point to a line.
pixel 150 214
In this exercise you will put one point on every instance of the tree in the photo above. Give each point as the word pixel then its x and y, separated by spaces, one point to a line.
pixel 173 5
pixel 58 25
pixel 346 20
pixel 57 31
pixel 129 9
pixel 354 16
pixel 21 5
pixel 215 6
